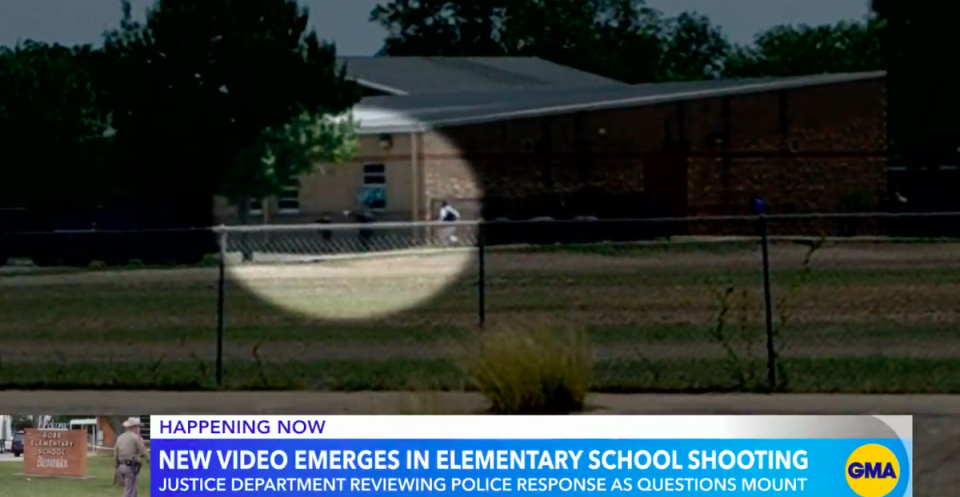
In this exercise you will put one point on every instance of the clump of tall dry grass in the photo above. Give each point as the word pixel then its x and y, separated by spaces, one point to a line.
pixel 532 371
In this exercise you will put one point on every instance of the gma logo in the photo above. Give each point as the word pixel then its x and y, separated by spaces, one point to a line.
pixel 871 471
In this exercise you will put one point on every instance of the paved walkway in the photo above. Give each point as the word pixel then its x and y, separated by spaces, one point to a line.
pixel 125 403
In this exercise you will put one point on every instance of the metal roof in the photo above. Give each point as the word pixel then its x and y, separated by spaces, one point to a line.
pixel 420 75
pixel 420 112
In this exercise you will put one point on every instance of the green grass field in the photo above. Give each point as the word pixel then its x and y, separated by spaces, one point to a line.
pixel 100 468
pixel 851 317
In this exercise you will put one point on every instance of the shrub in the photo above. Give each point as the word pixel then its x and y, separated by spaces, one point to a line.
pixel 533 371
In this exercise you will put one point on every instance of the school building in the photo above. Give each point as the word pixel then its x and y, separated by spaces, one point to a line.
pixel 516 129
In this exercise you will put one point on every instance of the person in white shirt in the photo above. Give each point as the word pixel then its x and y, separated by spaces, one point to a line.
pixel 448 215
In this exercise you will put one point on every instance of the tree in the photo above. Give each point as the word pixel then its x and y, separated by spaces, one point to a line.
pixel 802 50
pixel 692 49
pixel 52 126
pixel 443 27
pixel 280 155
pixel 613 38
pixel 198 87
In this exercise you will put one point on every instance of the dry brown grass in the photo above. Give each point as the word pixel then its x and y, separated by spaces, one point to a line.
pixel 844 309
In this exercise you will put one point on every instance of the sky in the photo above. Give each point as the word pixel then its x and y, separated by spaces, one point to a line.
pixel 346 21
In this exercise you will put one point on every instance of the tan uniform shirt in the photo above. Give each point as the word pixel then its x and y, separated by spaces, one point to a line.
pixel 130 447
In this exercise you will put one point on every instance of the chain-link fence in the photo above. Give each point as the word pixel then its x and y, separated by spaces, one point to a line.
pixel 852 303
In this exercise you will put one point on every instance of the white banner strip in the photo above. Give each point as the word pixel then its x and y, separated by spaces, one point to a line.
pixel 528 427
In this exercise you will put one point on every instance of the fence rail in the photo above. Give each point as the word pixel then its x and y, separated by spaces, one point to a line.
pixel 748 303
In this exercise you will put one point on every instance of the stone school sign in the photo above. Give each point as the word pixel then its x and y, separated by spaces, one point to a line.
pixel 55 453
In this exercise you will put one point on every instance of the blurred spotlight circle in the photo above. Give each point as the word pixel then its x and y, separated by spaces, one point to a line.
pixel 405 267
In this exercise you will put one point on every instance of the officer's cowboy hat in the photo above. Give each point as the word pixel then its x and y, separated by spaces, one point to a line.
pixel 130 423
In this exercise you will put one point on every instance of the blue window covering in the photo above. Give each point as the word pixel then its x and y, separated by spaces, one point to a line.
pixel 373 196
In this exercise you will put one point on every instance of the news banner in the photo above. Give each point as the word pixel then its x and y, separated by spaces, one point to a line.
pixel 825 456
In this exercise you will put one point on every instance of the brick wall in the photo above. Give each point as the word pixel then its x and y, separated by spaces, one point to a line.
pixel 827 146
pixel 804 150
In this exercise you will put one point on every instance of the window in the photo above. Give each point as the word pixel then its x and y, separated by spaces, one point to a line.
pixel 256 206
pixel 288 201
pixel 374 174
pixel 373 193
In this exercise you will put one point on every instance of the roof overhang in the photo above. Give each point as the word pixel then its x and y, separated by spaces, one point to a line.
pixel 381 121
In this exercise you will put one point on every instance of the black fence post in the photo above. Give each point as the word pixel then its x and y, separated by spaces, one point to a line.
pixel 220 304
pixel 763 228
pixel 481 276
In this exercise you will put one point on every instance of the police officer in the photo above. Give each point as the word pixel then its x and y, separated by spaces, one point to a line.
pixel 130 451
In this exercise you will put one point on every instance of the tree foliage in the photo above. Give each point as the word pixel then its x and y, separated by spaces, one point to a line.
pixel 801 50
pixel 51 124
pixel 281 154
pixel 691 48
pixel 442 28
pixel 613 38
pixel 198 87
